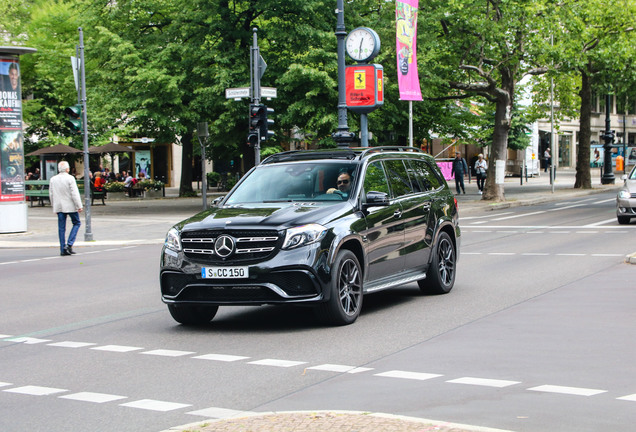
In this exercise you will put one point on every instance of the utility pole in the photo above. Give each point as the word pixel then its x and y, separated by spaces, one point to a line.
pixel 88 233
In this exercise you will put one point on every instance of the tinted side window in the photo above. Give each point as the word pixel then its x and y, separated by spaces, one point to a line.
pixel 425 175
pixel 398 178
pixel 375 179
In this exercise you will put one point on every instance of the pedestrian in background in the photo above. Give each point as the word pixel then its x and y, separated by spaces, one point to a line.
pixel 480 171
pixel 65 200
pixel 460 167
pixel 548 159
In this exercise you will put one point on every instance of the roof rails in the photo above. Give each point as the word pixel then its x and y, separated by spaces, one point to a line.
pixel 368 150
pixel 309 155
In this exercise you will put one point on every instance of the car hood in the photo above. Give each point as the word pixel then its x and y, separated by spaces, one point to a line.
pixel 265 216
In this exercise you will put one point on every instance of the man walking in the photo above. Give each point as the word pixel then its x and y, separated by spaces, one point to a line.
pixel 460 167
pixel 65 200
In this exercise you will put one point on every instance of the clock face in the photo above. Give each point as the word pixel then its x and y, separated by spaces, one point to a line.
pixel 362 44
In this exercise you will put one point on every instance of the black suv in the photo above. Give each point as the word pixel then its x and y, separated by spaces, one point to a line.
pixel 321 228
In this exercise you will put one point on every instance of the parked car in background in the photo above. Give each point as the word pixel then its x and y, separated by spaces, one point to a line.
pixel 626 199
pixel 317 228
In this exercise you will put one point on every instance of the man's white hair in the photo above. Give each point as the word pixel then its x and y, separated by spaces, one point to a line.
pixel 63 166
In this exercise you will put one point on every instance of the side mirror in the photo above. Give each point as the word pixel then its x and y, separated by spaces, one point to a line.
pixel 377 199
pixel 217 200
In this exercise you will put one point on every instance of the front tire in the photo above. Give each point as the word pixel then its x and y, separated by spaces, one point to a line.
pixel 192 315
pixel 441 275
pixel 623 220
pixel 345 302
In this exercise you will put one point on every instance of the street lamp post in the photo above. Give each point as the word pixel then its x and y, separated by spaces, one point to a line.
pixel 342 136
pixel 202 133
pixel 608 137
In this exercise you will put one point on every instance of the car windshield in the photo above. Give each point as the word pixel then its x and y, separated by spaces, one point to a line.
pixel 296 181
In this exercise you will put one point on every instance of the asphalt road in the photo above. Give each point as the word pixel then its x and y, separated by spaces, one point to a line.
pixel 536 336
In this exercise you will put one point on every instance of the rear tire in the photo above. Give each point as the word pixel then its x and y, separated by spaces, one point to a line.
pixel 345 302
pixel 441 275
pixel 623 220
pixel 192 315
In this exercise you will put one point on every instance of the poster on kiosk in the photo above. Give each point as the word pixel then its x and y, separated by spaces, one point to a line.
pixel 13 209
pixel 11 149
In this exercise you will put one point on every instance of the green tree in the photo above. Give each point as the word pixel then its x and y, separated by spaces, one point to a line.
pixel 485 49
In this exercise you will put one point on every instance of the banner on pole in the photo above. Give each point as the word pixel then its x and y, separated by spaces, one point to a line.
pixel 406 40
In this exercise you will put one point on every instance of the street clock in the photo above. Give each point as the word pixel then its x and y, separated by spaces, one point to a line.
pixel 362 44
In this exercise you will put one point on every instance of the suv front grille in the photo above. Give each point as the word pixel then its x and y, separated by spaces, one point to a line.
pixel 248 245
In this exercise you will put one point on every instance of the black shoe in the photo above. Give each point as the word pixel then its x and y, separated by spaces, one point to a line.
pixel 65 252
pixel 69 250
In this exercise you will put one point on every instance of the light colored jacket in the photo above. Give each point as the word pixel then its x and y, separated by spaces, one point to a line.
pixel 64 194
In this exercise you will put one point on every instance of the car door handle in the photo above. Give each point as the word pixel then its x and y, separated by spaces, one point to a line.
pixel 397 214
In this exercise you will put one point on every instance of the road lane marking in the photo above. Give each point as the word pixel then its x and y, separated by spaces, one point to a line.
pixel 577 391
pixel 4 384
pixel 155 405
pixel 117 348
pixel 35 390
pixel 93 397
pixel 631 398
pixel 28 340
pixel 277 363
pixel 340 368
pixel 408 375
pixel 520 215
pixel 484 382
pixel 219 413
pixel 70 344
pixel 606 221
pixel 221 357
pixel 168 353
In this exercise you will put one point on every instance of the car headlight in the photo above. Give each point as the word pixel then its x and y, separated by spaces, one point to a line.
pixel 623 194
pixel 173 241
pixel 303 235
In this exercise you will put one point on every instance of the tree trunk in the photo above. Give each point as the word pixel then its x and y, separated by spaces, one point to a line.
pixel 503 112
pixel 583 178
pixel 185 187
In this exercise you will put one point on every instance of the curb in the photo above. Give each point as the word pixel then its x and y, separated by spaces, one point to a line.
pixel 319 421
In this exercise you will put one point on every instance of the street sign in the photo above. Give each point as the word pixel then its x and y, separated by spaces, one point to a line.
pixel 144 140
pixel 268 92
pixel 237 93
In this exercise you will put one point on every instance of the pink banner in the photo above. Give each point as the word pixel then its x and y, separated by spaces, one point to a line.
pixel 406 39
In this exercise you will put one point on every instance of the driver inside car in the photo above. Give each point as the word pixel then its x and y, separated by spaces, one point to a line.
pixel 343 185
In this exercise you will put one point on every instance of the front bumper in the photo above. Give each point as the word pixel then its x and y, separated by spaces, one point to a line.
pixel 626 207
pixel 293 276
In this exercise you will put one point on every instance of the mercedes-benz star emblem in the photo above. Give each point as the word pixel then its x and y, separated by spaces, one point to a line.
pixel 224 246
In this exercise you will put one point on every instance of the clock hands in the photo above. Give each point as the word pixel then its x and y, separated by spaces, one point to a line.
pixel 361 41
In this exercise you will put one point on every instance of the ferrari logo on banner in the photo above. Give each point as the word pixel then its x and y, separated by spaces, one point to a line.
pixel 360 80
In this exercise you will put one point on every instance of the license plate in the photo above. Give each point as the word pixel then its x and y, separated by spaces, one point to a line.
pixel 224 272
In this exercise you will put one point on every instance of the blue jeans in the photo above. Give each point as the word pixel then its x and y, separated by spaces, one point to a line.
pixel 61 229
pixel 459 182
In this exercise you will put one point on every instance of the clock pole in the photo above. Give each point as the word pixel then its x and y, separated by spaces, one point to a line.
pixel 342 136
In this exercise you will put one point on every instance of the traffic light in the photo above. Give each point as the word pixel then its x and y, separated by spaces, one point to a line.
pixel 259 121
pixel 74 122
pixel 252 139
